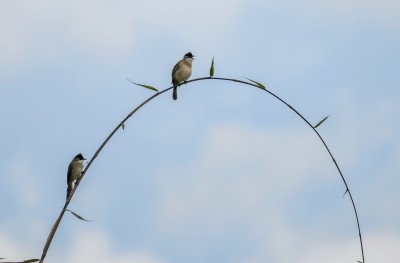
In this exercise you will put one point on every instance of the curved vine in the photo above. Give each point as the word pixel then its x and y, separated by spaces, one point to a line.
pixel 122 125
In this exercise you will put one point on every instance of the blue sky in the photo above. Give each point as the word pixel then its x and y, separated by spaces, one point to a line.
pixel 224 174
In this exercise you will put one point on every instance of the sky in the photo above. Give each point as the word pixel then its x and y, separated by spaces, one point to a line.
pixel 226 173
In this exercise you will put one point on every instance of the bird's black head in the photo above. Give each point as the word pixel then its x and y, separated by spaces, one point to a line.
pixel 80 157
pixel 189 55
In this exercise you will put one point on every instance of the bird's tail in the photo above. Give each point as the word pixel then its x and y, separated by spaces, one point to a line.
pixel 69 188
pixel 175 93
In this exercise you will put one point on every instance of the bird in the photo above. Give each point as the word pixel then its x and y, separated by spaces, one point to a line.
pixel 75 168
pixel 181 72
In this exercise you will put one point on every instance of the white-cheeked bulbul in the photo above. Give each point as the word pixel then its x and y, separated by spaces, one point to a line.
pixel 181 72
pixel 75 168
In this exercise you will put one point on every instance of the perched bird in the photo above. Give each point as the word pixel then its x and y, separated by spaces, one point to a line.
pixel 75 168
pixel 181 72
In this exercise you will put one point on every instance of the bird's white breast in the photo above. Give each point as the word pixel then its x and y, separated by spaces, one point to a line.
pixel 183 72
pixel 76 169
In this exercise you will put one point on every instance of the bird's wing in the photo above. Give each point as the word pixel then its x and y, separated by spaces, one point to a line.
pixel 177 66
pixel 69 172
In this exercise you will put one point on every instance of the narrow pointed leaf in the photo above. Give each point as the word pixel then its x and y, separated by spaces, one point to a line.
pixel 25 261
pixel 257 83
pixel 123 126
pixel 212 68
pixel 347 190
pixel 319 123
pixel 78 216
pixel 142 85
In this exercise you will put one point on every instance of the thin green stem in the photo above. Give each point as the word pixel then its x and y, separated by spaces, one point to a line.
pixel 56 224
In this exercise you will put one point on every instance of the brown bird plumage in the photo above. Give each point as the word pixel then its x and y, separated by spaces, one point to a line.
pixel 75 168
pixel 181 72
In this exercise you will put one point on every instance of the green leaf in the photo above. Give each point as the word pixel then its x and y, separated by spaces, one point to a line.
pixel 25 261
pixel 78 216
pixel 319 123
pixel 142 85
pixel 257 83
pixel 212 68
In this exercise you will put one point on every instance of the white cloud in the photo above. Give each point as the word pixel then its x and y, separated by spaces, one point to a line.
pixel 382 247
pixel 335 252
pixel 219 190
pixel 378 247
pixel 239 171
pixel 89 246
pixel 14 250
pixel 103 28
pixel 95 246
